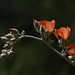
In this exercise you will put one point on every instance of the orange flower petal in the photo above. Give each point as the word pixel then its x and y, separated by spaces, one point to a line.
pixel 68 31
pixel 56 33
pixel 60 34
pixel 72 50
pixel 63 32
pixel 48 25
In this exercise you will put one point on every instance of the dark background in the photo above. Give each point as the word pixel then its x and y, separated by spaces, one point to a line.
pixel 33 57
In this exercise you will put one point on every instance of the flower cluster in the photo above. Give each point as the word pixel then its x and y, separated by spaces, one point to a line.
pixel 46 28
pixel 9 40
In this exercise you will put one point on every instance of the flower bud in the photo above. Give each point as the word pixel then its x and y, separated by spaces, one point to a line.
pixel 63 53
pixel 23 32
pixel 2 55
pixel 13 40
pixel 7 45
pixel 9 36
pixel 36 25
pixel 9 52
pixel 14 31
pixel 4 51
pixel 70 57
pixel 60 42
pixel 4 39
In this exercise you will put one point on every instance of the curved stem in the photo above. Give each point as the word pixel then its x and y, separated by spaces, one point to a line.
pixel 30 36
pixel 55 50
pixel 33 37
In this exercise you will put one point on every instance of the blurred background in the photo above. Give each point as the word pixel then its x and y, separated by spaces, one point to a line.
pixel 33 57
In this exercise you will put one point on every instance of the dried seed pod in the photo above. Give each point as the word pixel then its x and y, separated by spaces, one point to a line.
pixel 36 25
pixel 14 31
pixel 23 32
pixel 4 39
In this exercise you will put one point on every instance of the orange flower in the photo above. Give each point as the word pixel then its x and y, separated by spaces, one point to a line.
pixel 62 33
pixel 72 50
pixel 48 25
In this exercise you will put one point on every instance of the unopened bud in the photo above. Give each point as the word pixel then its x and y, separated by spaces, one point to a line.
pixel 59 40
pixel 14 31
pixel 9 52
pixel 4 39
pixel 36 25
pixel 2 55
pixel 63 53
pixel 4 51
pixel 9 36
pixel 7 45
pixel 70 57
pixel 13 40
pixel 23 32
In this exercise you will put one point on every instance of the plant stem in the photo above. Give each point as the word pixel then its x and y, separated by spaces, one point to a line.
pixel 73 64
pixel 29 36
pixel 55 50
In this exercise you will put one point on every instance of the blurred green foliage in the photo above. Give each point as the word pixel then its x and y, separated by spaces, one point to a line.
pixel 33 57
